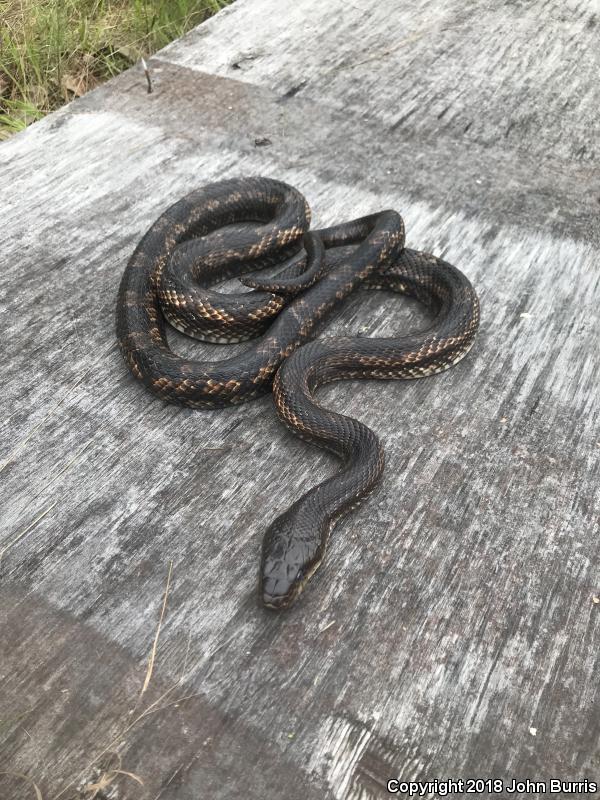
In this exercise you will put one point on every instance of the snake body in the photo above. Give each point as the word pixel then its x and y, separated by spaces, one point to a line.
pixel 232 227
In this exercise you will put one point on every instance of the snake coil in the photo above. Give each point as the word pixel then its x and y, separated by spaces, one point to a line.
pixel 240 225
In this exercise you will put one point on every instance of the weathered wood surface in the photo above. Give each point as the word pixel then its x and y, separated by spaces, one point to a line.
pixel 452 631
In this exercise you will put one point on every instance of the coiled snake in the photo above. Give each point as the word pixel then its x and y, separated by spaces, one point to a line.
pixel 235 226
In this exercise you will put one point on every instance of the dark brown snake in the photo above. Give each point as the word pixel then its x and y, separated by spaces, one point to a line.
pixel 239 225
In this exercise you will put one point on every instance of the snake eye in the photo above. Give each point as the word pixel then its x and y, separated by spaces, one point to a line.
pixel 298 581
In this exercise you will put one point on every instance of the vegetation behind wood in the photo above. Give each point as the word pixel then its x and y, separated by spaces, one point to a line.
pixel 54 50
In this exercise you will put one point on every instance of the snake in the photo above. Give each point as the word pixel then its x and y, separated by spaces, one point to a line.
pixel 240 227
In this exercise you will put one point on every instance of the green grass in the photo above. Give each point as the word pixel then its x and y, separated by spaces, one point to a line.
pixel 54 50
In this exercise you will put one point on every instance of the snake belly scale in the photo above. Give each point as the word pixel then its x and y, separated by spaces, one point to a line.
pixel 240 225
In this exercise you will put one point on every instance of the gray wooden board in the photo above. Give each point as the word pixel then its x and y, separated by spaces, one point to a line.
pixel 452 631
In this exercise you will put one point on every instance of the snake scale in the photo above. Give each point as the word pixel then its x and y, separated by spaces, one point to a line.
pixel 241 225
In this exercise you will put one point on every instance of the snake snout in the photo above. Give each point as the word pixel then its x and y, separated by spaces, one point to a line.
pixel 281 582
pixel 289 557
pixel 274 597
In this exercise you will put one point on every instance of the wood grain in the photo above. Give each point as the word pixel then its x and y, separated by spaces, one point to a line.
pixel 452 631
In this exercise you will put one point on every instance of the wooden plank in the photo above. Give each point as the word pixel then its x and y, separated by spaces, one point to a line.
pixel 513 75
pixel 452 631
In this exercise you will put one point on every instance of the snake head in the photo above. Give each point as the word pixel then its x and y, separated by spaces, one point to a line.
pixel 291 553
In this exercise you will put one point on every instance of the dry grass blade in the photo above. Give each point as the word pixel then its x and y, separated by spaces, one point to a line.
pixel 158 705
pixel 27 779
pixel 107 778
pixel 120 736
pixel 153 708
pixel 26 531
pixel 157 635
